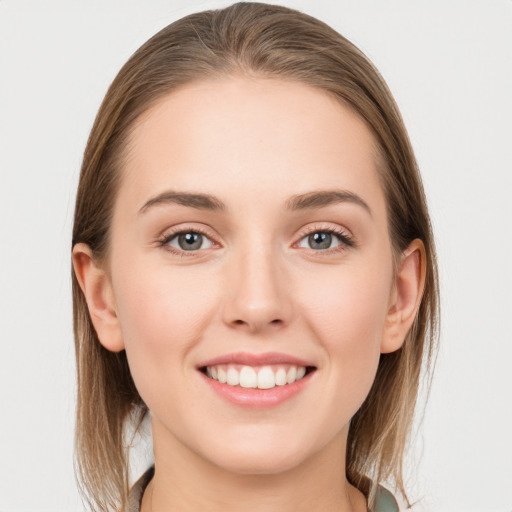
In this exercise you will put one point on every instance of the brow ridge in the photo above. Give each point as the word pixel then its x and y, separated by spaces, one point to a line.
pixel 189 199
pixel 323 198
pixel 310 200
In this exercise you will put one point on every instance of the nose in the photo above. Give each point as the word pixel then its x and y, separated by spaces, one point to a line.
pixel 257 292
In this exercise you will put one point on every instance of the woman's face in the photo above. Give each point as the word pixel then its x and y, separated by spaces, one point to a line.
pixel 249 241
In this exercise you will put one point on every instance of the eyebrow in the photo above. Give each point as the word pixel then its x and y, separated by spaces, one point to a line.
pixel 192 200
pixel 310 200
pixel 323 198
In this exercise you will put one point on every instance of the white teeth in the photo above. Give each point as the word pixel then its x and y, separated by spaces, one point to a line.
pixel 233 378
pixel 248 378
pixel 281 377
pixel 291 374
pixel 221 375
pixel 266 377
pixel 301 371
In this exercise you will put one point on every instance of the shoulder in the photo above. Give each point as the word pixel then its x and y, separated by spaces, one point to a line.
pixel 137 491
pixel 385 501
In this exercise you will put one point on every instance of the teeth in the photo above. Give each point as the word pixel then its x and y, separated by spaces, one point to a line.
pixel 233 378
pixel 291 374
pixel 281 377
pixel 265 377
pixel 248 377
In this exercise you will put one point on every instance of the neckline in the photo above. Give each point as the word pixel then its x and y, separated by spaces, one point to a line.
pixel 385 500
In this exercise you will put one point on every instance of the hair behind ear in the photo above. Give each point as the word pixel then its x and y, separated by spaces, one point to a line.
pixel 107 397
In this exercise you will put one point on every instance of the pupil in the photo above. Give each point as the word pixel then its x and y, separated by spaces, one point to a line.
pixel 190 241
pixel 320 240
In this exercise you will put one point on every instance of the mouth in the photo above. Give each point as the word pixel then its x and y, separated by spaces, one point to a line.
pixel 257 377
pixel 257 380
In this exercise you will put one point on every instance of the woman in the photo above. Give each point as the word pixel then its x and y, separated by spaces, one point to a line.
pixel 254 267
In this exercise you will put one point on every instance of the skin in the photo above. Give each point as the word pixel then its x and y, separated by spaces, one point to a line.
pixel 256 285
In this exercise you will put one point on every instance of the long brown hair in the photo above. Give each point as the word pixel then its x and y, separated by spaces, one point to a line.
pixel 267 41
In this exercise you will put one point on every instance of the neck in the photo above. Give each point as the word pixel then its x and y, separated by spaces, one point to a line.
pixel 184 481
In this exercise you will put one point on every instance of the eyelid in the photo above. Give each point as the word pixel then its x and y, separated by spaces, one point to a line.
pixel 171 233
pixel 344 235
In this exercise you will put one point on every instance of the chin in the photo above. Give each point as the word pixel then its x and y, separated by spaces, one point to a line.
pixel 270 465
pixel 259 458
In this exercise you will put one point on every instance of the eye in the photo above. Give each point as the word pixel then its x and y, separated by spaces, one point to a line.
pixel 320 240
pixel 188 241
pixel 325 239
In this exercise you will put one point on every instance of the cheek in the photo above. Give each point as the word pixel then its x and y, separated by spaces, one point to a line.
pixel 162 311
pixel 347 311
pixel 347 303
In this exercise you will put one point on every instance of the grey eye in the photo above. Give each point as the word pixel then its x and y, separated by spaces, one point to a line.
pixel 190 241
pixel 320 240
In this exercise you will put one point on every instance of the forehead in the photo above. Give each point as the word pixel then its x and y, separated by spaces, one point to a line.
pixel 269 137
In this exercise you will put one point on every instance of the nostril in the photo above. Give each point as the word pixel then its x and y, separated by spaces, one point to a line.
pixel 256 324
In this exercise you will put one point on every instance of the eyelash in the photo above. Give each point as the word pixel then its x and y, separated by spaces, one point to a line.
pixel 168 237
pixel 346 240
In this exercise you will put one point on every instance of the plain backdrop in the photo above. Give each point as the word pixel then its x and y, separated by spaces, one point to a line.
pixel 449 65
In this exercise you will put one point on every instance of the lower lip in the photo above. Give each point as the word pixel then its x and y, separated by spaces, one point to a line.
pixel 258 398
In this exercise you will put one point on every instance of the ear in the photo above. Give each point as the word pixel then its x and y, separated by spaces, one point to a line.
pixel 406 296
pixel 97 289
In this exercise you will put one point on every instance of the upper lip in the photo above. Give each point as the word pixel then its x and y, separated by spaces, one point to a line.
pixel 248 359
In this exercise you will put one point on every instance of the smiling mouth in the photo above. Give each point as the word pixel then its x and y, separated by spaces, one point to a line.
pixel 256 377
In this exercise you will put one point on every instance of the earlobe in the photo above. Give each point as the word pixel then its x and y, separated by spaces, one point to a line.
pixel 406 296
pixel 97 289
